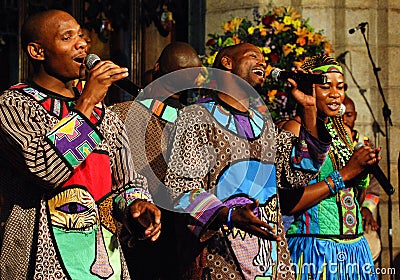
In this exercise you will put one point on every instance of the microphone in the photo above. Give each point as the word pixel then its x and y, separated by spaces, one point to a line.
pixel 125 84
pixel 342 110
pixel 304 80
pixel 361 25
pixel 341 56
pixel 378 174
pixel 279 74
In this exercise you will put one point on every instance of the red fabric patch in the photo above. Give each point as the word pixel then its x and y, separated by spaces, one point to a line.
pixel 47 104
pixel 65 110
pixel 94 119
pixel 308 223
pixel 94 174
pixel 19 86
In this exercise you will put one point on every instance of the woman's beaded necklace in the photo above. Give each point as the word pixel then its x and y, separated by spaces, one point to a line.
pixel 342 148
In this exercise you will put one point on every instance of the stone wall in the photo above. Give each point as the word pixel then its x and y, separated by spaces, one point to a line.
pixel 336 17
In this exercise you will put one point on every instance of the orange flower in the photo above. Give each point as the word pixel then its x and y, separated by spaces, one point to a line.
pixel 271 95
pixel 268 70
pixel 263 32
pixel 287 49
pixel 227 26
pixel 301 41
pixel 294 14
pixel 279 27
pixel 315 39
pixel 302 33
pixel 328 47
pixel 232 25
pixel 236 39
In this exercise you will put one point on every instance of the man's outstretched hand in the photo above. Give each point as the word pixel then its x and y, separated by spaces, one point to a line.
pixel 245 219
pixel 149 216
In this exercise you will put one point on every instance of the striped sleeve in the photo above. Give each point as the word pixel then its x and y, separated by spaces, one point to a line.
pixel 28 134
pixel 371 202
pixel 128 185
pixel 203 207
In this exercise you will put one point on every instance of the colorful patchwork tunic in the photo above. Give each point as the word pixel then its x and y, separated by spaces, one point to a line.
pixel 326 241
pixel 62 175
pixel 223 157
pixel 148 124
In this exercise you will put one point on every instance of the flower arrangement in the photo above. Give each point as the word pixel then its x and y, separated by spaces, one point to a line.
pixel 284 38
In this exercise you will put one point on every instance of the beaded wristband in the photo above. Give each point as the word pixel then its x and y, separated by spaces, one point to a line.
pixel 337 180
pixel 331 190
pixel 229 218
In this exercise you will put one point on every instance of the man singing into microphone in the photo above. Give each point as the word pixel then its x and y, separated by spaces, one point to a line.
pixel 148 121
pixel 223 174
pixel 65 164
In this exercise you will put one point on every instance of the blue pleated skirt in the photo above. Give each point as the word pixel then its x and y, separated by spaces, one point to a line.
pixel 331 259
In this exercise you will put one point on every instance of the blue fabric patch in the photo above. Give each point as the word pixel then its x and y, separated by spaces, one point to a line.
pixel 228 121
pixel 251 177
pixel 258 119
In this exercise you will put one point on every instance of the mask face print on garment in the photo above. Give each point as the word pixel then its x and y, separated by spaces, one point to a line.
pixel 75 221
pixel 73 209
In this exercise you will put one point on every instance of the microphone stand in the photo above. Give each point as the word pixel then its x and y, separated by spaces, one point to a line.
pixel 386 114
pixel 375 126
pixel 376 129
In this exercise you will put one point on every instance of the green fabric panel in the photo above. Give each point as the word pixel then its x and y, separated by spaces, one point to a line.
pixel 77 249
pixel 328 214
pixel 70 157
pixel 294 228
pixel 326 169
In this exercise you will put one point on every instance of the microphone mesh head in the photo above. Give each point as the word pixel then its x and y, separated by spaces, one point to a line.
pixel 91 60
pixel 342 110
pixel 275 74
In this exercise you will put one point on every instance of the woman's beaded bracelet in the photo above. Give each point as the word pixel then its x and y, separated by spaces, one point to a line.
pixel 229 218
pixel 331 190
pixel 337 180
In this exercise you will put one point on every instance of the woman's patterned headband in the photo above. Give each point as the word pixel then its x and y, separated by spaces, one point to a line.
pixel 328 69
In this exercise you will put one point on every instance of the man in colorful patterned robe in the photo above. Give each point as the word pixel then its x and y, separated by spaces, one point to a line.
pixel 66 164
pixel 223 174
pixel 149 121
